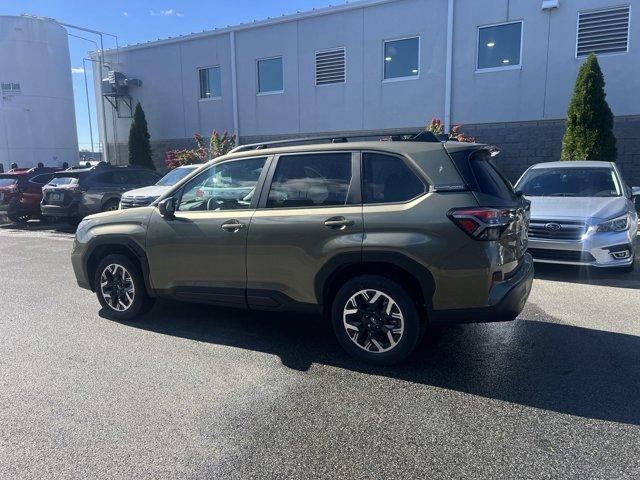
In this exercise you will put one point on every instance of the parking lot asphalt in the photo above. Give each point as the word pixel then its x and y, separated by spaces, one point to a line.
pixel 198 392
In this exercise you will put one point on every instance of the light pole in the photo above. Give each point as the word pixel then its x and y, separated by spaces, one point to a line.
pixel 86 85
pixel 105 150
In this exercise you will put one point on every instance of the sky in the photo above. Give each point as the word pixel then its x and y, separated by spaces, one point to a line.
pixel 135 21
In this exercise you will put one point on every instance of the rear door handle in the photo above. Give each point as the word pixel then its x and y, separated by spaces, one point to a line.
pixel 232 226
pixel 338 223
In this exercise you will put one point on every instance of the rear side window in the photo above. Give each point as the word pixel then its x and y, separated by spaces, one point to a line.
pixel 388 179
pixel 149 178
pixel 129 178
pixel 313 180
pixel 107 178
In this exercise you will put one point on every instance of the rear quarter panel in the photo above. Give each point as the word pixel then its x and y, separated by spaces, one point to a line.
pixel 421 230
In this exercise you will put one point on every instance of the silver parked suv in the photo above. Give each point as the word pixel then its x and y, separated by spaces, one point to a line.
pixel 582 213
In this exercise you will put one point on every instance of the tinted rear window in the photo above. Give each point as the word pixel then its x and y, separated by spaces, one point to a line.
pixel 7 182
pixel 42 179
pixel 490 180
pixel 481 174
pixel 69 180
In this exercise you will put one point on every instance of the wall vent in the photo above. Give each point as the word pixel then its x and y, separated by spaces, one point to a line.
pixel 603 31
pixel 330 66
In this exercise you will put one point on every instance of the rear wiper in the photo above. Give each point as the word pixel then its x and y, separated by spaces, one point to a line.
pixel 562 195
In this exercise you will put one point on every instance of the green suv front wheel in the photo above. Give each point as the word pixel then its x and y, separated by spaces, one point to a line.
pixel 120 288
pixel 376 320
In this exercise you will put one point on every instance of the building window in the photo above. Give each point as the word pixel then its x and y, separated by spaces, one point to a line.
pixel 270 75
pixel 500 46
pixel 402 58
pixel 330 66
pixel 603 31
pixel 210 86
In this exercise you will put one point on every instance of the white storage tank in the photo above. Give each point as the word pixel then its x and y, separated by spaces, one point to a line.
pixel 37 115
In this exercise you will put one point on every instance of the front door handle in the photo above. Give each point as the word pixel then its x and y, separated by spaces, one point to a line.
pixel 338 223
pixel 232 226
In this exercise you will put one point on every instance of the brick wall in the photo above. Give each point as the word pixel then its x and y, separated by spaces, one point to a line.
pixel 522 144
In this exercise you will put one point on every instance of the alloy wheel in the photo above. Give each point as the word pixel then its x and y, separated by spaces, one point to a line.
pixel 117 288
pixel 373 321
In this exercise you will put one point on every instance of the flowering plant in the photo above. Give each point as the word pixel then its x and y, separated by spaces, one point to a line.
pixel 218 145
pixel 437 128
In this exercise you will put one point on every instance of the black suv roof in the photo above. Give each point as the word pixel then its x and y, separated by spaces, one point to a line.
pixel 101 166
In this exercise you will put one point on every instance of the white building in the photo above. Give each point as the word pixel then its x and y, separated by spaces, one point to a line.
pixel 37 115
pixel 504 69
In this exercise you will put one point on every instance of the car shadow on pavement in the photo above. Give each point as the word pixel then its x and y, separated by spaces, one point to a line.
pixel 589 276
pixel 557 367
pixel 38 226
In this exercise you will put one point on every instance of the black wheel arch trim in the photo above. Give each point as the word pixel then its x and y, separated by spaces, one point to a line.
pixel 121 241
pixel 398 260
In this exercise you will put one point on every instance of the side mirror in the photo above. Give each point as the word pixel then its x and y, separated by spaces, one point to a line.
pixel 519 193
pixel 635 191
pixel 167 207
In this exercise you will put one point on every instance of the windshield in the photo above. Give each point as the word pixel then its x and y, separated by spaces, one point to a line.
pixel 7 182
pixel 570 182
pixel 58 181
pixel 174 176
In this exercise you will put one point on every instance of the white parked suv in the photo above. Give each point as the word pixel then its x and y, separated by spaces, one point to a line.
pixel 582 213
pixel 141 197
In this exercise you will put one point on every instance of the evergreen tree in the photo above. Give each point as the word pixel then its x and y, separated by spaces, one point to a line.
pixel 589 133
pixel 139 146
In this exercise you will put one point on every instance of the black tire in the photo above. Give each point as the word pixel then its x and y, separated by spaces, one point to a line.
pixel 19 219
pixel 48 220
pixel 627 268
pixel 413 325
pixel 111 205
pixel 141 301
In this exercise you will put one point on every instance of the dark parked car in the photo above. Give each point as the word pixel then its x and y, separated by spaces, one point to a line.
pixel 77 192
pixel 21 192
pixel 382 237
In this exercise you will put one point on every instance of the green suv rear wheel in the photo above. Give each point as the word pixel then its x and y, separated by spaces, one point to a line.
pixel 376 320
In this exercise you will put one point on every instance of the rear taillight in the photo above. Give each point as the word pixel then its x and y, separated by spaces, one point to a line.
pixel 482 223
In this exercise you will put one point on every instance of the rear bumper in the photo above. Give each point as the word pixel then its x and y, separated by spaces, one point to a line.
pixel 18 209
pixel 73 210
pixel 506 300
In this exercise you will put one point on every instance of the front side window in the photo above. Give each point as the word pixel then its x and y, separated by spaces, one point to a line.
pixel 313 180
pixel 570 182
pixel 499 46
pixel 402 58
pixel 387 179
pixel 270 75
pixel 210 85
pixel 227 186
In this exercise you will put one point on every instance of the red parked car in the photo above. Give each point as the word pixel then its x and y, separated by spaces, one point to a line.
pixel 21 192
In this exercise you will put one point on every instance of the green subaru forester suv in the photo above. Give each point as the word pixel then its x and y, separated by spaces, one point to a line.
pixel 382 237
